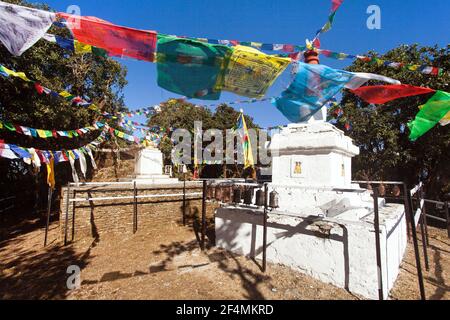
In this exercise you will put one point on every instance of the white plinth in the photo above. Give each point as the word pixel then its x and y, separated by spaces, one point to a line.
pixel 312 154
pixel 334 251
pixel 149 168
pixel 149 162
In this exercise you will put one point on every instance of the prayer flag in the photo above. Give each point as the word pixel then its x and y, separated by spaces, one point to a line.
pixel 246 142
pixel 51 173
pixel 314 86
pixel 250 72
pixel 117 40
pixel 430 114
pixel 21 27
pixel 191 68
pixel 383 94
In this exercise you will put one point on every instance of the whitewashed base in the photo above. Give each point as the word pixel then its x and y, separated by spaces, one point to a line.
pixel 149 168
pixel 346 257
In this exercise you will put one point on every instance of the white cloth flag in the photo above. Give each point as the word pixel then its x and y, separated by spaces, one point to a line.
pixel 22 27
pixel 361 78
pixel 74 171
pixel 83 163
pixel 94 165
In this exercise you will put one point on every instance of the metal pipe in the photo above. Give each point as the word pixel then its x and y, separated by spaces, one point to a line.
pixel 204 215
pixel 132 197
pixel 135 208
pixel 378 182
pixel 73 216
pixel 425 238
pixel 67 215
pixel 415 243
pixel 49 209
pixel 184 200
pixel 437 219
pixel 378 244
pixel 264 267
pixel 447 216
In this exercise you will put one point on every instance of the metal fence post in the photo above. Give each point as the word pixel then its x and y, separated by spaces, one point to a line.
pixel 264 268
pixel 416 244
pixel 67 214
pixel 73 215
pixel 204 215
pixel 423 229
pixel 184 200
pixel 447 217
pixel 49 210
pixel 378 244
pixel 135 209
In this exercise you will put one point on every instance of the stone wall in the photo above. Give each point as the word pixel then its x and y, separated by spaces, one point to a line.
pixel 92 219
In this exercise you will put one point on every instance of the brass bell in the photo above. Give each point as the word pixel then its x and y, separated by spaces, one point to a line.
pixel 210 193
pixel 274 200
pixel 381 190
pixel 260 198
pixel 226 194
pixel 248 196
pixel 218 193
pixel 237 194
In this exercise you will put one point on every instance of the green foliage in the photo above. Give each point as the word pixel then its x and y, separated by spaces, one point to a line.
pixel 95 78
pixel 180 114
pixel 381 132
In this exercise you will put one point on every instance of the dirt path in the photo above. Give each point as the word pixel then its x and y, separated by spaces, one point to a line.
pixel 164 262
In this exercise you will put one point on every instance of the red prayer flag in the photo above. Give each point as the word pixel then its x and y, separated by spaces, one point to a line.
pixel 118 41
pixel 39 88
pixel 18 129
pixel 383 94
pixel 335 4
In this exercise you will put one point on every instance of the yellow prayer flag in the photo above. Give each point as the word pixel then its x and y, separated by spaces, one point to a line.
pixel 251 72
pixel 41 133
pixel 51 173
pixel 20 75
pixel 65 94
pixel 81 48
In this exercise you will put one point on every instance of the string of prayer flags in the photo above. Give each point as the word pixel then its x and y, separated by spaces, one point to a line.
pixel 45 134
pixel 430 115
pixel 250 72
pixel 75 46
pixel 314 86
pixel 383 94
pixel 21 27
pixel 335 5
pixel 191 68
pixel 118 41
pixel 123 135
pixel 424 69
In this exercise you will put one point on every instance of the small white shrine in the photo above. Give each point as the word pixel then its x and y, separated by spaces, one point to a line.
pixel 149 166
pixel 324 226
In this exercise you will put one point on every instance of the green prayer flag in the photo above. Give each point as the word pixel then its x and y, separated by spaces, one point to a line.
pixel 430 114
pixel 9 126
pixel 191 68
pixel 99 52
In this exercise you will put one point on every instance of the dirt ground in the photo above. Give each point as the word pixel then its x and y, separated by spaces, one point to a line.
pixel 165 262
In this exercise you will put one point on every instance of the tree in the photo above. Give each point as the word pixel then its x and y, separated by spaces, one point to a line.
pixel 381 131
pixel 94 78
pixel 179 114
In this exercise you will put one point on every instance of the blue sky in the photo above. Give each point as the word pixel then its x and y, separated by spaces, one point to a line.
pixel 270 21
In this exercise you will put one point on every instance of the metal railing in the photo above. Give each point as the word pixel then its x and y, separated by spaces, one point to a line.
pixel 76 189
